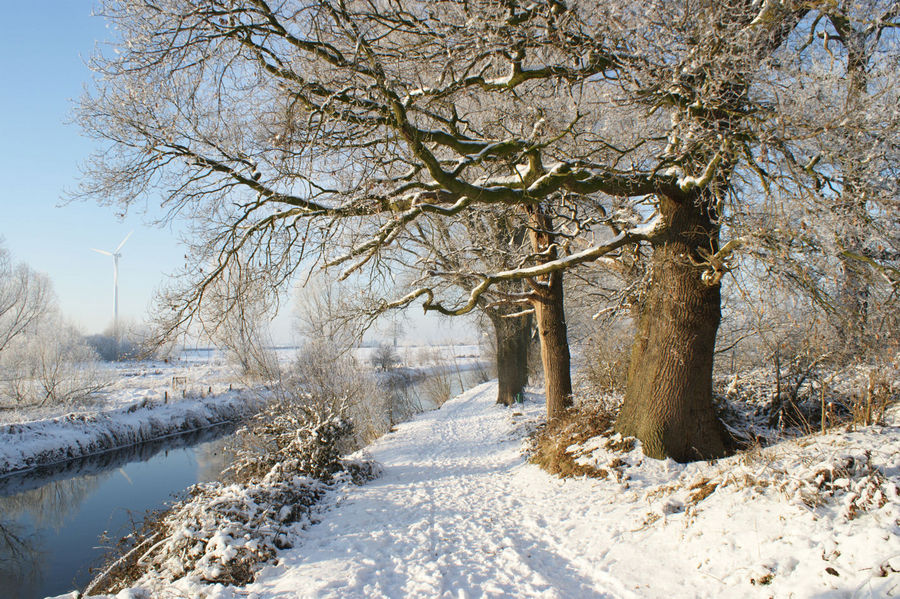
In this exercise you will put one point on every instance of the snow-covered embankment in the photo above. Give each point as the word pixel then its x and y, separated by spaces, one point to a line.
pixel 43 442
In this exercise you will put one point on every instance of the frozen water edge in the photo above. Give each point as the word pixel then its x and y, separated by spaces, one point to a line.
pixel 144 403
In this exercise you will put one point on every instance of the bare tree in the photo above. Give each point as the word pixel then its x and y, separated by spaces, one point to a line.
pixel 42 360
pixel 25 298
pixel 867 158
pixel 51 365
pixel 325 310
pixel 857 28
pixel 836 237
pixel 236 316
pixel 384 357
pixel 327 129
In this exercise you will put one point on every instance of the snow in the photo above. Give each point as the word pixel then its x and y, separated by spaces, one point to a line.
pixel 144 401
pixel 459 512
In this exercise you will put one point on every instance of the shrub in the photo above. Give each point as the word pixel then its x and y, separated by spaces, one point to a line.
pixel 286 458
pixel 293 435
pixel 384 357
pixel 50 366
pixel 332 376
pixel 111 350
pixel 605 370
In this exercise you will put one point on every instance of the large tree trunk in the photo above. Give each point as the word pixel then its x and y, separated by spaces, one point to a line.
pixel 668 401
pixel 513 336
pixel 550 315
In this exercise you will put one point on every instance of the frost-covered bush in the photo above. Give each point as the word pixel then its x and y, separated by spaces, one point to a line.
pixel 804 395
pixel 604 360
pixel 292 435
pixel 438 387
pixel 109 349
pixel 26 300
pixel 221 533
pixel 332 376
pixel 384 357
pixel 42 360
pixel 50 366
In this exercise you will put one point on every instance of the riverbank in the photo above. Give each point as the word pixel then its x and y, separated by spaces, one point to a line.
pixel 54 516
pixel 28 445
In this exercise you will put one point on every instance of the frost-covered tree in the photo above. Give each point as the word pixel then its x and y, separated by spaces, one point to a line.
pixel 235 315
pixel 43 361
pixel 327 129
pixel 447 259
pixel 832 234
pixel 384 357
pixel 51 365
pixel 25 298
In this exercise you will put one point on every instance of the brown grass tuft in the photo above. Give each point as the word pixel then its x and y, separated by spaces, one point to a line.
pixel 702 490
pixel 576 425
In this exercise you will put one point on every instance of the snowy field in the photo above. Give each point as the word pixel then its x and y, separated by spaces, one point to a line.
pixel 149 400
pixel 459 512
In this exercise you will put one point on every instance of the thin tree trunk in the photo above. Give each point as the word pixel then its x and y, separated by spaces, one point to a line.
pixel 851 206
pixel 513 336
pixel 668 401
pixel 854 294
pixel 550 316
pixel 552 331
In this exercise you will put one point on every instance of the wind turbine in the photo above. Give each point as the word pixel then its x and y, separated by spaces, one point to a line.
pixel 116 254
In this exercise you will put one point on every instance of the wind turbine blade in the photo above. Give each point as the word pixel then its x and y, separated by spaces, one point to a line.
pixel 123 243
pixel 104 252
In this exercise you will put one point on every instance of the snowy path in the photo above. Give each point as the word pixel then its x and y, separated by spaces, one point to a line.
pixel 457 513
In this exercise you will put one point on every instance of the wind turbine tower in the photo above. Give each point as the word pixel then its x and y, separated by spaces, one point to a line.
pixel 116 254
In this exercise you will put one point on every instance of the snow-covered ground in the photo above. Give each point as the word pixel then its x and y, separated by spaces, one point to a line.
pixel 459 512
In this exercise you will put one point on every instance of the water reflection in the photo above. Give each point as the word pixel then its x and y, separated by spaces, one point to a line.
pixel 20 558
pixel 102 462
pixel 50 505
pixel 25 514
pixel 212 458
pixel 51 517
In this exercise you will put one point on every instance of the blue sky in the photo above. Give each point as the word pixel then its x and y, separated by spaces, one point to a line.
pixel 44 49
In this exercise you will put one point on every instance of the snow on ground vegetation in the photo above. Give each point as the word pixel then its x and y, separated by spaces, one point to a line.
pixel 459 511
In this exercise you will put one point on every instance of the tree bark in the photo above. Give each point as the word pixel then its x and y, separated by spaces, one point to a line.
pixel 550 316
pixel 668 401
pixel 552 330
pixel 513 336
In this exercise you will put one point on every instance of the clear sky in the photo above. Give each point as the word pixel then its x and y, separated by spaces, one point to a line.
pixel 43 53
pixel 44 48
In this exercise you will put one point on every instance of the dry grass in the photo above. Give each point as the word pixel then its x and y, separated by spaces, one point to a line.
pixel 701 490
pixel 576 425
